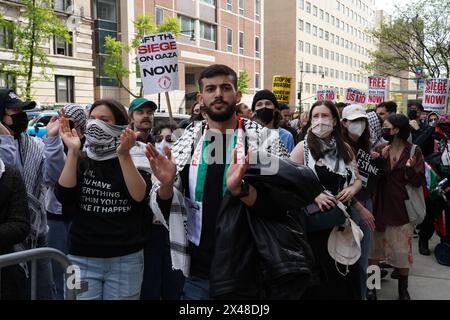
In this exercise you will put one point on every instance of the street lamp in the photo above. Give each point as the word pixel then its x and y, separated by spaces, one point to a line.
pixel 299 96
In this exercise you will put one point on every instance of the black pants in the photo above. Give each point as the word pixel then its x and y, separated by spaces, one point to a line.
pixel 13 283
pixel 426 228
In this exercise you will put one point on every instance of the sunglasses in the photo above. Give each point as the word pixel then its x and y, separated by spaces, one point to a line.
pixel 160 138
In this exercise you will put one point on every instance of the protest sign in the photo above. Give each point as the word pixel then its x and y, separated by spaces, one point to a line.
pixel 377 89
pixel 327 94
pixel 435 95
pixel 158 61
pixel 281 88
pixel 355 96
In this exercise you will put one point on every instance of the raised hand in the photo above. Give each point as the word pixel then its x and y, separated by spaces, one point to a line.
pixel 235 173
pixel 127 141
pixel 52 127
pixel 69 136
pixel 163 168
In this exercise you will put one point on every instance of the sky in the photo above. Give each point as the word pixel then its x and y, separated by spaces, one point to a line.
pixel 389 5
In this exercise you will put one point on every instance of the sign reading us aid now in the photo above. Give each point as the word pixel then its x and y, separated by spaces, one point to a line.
pixel 281 88
pixel 435 95
pixel 355 96
pixel 327 94
pixel 377 89
pixel 158 61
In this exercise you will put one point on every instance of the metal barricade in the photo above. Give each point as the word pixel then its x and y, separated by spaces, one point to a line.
pixel 32 255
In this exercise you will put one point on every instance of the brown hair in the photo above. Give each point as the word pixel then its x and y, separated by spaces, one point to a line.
pixel 343 149
pixel 120 114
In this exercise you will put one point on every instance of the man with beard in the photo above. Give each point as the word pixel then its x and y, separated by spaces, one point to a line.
pixel 202 174
pixel 141 112
pixel 27 155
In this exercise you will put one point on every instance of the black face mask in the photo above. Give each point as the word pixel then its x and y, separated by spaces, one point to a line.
pixel 19 123
pixel 386 134
pixel 412 114
pixel 265 115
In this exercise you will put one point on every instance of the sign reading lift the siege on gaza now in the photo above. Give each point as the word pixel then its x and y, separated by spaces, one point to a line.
pixel 158 61
pixel 377 90
pixel 435 95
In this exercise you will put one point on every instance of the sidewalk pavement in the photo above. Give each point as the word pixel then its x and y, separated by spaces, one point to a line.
pixel 428 280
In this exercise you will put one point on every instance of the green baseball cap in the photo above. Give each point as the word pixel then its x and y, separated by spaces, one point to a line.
pixel 140 102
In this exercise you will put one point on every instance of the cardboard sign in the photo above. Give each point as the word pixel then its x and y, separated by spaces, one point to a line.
pixel 355 96
pixel 377 90
pixel 369 169
pixel 158 61
pixel 281 88
pixel 435 95
pixel 327 94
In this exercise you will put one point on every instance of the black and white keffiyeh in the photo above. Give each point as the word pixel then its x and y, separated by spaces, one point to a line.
pixel 257 137
pixel 374 127
pixel 102 139
pixel 76 112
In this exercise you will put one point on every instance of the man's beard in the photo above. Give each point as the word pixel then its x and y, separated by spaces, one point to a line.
pixel 221 116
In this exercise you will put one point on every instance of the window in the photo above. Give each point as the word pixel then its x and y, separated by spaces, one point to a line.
pixel 258 10
pixel 327 54
pixel 7 80
pixel 327 35
pixel 315 11
pixel 314 89
pixel 314 50
pixel 6 37
pixel 332 73
pixel 321 33
pixel 314 31
pixel 308 27
pixel 229 5
pixel 326 72
pixel 321 52
pixel 308 67
pixel 159 16
pixel 300 24
pixel 229 40
pixel 189 78
pixel 106 10
pixel 308 7
pixel 241 7
pixel 331 55
pixel 207 31
pixel 314 68
pixel 241 42
pixel 332 37
pixel 307 48
pixel 320 87
pixel 257 47
pixel 301 4
pixel 332 20
pixel 61 47
pixel 327 17
pixel 187 25
pixel 300 45
pixel 257 80
pixel 307 88
pixel 64 89
pixel 321 14
pixel 211 2
pixel 61 5
pixel 300 66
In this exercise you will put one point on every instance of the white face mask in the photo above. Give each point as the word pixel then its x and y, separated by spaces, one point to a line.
pixel 356 128
pixel 322 127
pixel 160 146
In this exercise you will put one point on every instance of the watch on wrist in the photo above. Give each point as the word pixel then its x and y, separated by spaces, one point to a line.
pixel 245 190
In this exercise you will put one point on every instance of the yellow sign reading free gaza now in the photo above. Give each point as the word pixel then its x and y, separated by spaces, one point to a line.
pixel 281 87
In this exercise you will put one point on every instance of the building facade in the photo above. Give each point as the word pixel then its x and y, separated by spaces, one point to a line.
pixel 319 43
pixel 72 77
pixel 212 31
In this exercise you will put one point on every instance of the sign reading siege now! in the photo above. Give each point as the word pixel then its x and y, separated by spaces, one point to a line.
pixel 158 60
pixel 435 95
pixel 327 94
pixel 377 89
pixel 281 88
pixel 355 96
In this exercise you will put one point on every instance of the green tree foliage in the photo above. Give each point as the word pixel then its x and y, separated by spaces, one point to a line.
pixel 417 36
pixel 36 24
pixel 243 80
pixel 115 49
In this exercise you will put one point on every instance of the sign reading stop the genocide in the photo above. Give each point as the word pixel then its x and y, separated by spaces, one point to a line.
pixel 327 94
pixel 355 96
pixel 281 88
pixel 158 60
pixel 435 95
pixel 377 89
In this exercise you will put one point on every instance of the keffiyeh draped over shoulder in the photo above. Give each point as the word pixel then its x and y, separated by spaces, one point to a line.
pixel 258 138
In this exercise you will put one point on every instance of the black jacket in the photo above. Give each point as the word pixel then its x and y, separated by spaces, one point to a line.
pixel 265 255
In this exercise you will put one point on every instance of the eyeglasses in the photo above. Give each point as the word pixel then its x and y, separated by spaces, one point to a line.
pixel 160 138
